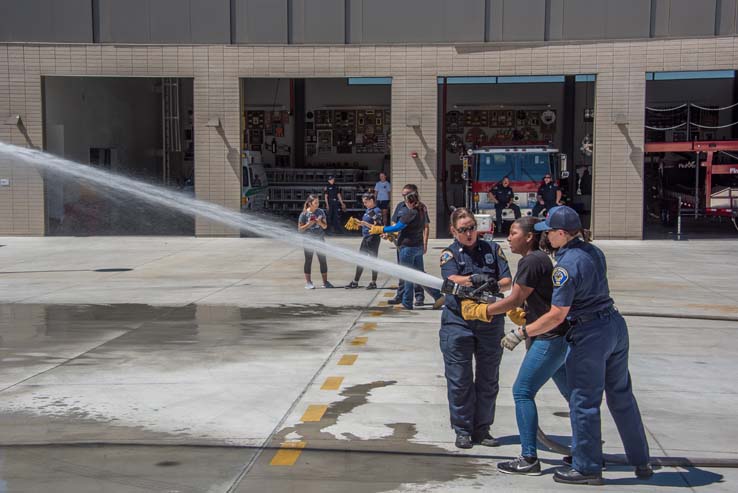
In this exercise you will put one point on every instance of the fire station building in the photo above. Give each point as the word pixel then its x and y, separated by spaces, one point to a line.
pixel 254 103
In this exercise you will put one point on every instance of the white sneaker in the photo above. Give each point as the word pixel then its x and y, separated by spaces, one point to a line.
pixel 309 285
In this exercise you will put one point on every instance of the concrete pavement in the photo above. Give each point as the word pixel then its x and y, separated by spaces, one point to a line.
pixel 190 371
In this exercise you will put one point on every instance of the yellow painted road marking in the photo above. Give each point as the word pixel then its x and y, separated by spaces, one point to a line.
pixel 376 314
pixel 332 383
pixel 389 295
pixel 288 453
pixel 382 303
pixel 369 326
pixel 348 359
pixel 314 412
pixel 359 341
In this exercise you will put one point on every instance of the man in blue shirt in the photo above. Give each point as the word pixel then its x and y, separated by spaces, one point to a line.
pixel 383 189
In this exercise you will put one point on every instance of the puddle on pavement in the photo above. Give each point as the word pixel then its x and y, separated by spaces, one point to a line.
pixel 48 335
pixel 377 465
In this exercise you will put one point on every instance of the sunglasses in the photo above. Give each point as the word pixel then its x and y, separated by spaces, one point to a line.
pixel 546 177
pixel 466 229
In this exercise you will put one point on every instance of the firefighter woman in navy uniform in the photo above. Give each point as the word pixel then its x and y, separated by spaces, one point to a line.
pixel 597 361
pixel 548 196
pixel 471 349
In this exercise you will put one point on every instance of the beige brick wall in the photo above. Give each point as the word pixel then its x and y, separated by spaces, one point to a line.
pixel 620 89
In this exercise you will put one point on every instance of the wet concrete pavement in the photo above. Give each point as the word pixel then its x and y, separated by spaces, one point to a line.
pixel 189 371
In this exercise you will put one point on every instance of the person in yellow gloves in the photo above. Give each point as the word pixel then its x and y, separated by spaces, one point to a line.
pixel 532 289
pixel 369 242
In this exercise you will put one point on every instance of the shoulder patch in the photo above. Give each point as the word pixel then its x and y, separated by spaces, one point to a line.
pixel 559 277
pixel 446 255
pixel 500 252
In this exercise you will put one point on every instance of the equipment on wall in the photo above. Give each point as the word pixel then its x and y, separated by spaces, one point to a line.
pixel 548 117
pixel 586 147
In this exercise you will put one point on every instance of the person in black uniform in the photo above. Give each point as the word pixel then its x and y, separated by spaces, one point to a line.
pixel 597 361
pixel 549 196
pixel 503 197
pixel 333 205
pixel 369 242
pixel 471 349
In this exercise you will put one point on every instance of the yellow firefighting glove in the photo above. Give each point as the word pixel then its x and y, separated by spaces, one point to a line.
pixel 471 310
pixel 352 224
pixel 391 237
pixel 516 316
pixel 376 230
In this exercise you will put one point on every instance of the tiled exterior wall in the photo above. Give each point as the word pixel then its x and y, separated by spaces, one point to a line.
pixel 620 89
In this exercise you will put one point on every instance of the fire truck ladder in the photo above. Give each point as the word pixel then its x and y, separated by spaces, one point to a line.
pixel 171 134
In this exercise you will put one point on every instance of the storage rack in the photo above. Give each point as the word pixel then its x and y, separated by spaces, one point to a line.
pixel 289 187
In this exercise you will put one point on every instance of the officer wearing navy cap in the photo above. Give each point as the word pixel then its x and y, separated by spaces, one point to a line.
pixel 598 350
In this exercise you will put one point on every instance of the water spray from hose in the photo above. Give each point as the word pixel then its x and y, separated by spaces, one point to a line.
pixel 183 203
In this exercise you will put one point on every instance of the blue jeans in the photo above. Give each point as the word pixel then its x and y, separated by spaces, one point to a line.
pixel 544 360
pixel 597 362
pixel 410 257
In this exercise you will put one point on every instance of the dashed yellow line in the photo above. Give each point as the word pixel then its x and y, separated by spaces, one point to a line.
pixel 389 295
pixel 359 341
pixel 314 412
pixel 348 359
pixel 332 383
pixel 382 303
pixel 369 326
pixel 288 454
pixel 376 314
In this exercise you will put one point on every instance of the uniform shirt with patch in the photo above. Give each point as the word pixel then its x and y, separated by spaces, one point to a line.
pixel 534 271
pixel 484 258
pixel 332 191
pixel 372 215
pixel 548 192
pixel 580 279
pixel 504 195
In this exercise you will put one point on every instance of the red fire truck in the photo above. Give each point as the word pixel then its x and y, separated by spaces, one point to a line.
pixel 715 190
pixel 525 166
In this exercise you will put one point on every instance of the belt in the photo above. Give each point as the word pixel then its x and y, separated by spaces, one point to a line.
pixel 588 317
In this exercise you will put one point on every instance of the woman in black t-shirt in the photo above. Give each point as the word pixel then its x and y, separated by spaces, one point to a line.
pixel 532 288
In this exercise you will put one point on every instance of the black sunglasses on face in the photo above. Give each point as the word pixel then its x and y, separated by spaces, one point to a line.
pixel 466 229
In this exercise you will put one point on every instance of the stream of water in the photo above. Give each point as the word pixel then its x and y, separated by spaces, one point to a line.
pixel 184 203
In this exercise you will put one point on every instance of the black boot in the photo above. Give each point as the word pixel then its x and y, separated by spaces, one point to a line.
pixel 463 441
pixel 568 475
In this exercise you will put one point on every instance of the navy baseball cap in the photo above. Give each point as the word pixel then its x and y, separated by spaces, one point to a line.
pixel 560 217
pixel 331 177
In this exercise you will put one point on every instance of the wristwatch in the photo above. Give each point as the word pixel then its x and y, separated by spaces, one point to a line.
pixel 524 332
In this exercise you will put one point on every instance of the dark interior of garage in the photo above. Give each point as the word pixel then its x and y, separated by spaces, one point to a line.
pixel 690 185
pixel 138 127
pixel 298 132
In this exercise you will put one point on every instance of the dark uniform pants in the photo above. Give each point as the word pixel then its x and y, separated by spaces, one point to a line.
pixel 598 362
pixel 370 246
pixel 499 208
pixel 547 206
pixel 471 356
pixel 334 217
